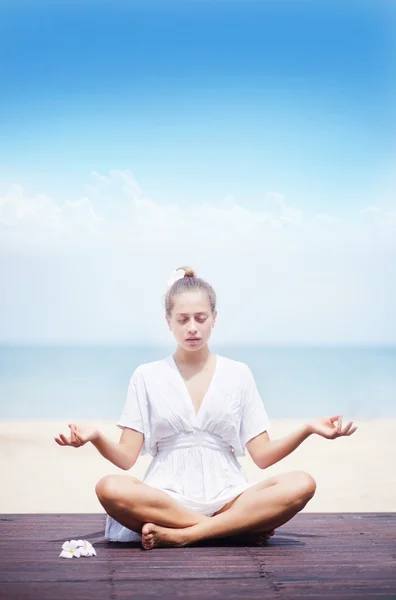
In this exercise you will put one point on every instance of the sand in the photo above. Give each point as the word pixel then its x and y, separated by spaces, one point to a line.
pixel 353 474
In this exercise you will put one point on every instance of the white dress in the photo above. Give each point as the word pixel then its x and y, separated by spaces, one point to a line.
pixel 194 455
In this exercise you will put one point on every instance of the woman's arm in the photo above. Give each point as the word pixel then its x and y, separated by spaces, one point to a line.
pixel 122 454
pixel 266 452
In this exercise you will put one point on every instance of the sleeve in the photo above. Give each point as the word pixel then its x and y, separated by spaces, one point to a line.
pixel 254 416
pixel 135 413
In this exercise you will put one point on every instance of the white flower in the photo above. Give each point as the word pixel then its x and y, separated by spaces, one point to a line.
pixel 86 548
pixel 77 548
pixel 70 549
pixel 175 275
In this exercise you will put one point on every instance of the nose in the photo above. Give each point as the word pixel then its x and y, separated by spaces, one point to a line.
pixel 192 328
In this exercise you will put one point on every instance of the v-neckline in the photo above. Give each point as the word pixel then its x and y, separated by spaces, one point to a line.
pixel 187 393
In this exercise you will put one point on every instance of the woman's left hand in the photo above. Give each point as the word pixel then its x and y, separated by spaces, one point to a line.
pixel 331 427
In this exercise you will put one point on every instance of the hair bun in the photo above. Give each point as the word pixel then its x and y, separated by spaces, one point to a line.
pixel 188 272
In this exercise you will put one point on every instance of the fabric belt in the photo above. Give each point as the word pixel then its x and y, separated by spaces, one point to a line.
pixel 189 439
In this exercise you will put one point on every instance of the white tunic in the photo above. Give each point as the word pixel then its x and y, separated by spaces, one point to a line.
pixel 194 455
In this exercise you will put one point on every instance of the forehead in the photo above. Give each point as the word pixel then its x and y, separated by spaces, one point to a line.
pixel 191 303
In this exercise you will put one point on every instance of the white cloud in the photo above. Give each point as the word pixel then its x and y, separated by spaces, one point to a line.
pixel 80 213
pixel 379 216
pixel 115 205
pixel 325 219
pixel 40 212
pixel 17 209
pixel 94 269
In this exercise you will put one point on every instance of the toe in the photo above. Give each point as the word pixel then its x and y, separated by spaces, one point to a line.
pixel 146 529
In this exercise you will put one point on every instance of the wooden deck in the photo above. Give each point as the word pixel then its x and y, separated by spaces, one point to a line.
pixel 315 555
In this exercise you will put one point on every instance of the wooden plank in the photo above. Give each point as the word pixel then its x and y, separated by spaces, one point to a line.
pixel 231 590
pixel 150 590
pixel 313 556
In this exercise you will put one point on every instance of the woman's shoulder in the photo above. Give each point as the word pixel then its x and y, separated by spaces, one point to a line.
pixel 152 368
pixel 235 366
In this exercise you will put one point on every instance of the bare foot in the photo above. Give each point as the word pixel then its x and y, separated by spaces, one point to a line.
pixel 154 536
pixel 258 538
pixel 263 537
pixel 268 534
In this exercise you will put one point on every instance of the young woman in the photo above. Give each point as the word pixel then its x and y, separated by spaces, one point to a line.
pixel 195 412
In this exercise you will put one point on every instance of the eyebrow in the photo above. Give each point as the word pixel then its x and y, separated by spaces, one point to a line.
pixel 186 314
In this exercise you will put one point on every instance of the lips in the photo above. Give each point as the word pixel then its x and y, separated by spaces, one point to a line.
pixel 192 339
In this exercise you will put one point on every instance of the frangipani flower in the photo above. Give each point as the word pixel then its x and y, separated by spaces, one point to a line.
pixel 175 275
pixel 70 549
pixel 77 548
pixel 86 548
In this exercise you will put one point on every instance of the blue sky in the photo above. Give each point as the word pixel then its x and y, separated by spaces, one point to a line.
pixel 197 101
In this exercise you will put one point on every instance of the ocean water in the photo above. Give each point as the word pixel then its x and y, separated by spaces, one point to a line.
pixel 91 382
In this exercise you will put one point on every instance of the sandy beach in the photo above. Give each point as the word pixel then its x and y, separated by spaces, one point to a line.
pixel 353 474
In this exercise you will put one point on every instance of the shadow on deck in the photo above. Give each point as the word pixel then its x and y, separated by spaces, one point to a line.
pixel 329 555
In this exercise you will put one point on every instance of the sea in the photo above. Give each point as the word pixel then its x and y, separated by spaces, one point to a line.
pixel 90 382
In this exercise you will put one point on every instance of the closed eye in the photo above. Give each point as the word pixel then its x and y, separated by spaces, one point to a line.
pixel 200 320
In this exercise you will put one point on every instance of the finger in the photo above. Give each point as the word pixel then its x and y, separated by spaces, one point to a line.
pixel 58 441
pixel 336 418
pixel 72 434
pixel 352 430
pixel 65 439
pixel 76 435
pixel 335 431
pixel 346 428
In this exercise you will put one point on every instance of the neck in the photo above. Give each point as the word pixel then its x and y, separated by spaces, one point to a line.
pixel 192 358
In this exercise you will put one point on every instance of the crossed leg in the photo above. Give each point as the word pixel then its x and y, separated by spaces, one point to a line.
pixel 163 522
pixel 133 503
pixel 261 508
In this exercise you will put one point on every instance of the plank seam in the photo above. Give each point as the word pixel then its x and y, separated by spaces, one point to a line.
pixel 263 572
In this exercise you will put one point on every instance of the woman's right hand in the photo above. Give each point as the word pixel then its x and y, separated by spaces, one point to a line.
pixel 78 436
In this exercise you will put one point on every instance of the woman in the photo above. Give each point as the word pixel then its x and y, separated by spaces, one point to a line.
pixel 195 412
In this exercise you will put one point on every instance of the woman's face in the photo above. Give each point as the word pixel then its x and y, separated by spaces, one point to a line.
pixel 191 320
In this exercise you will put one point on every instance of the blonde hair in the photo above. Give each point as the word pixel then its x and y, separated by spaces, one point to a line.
pixel 189 283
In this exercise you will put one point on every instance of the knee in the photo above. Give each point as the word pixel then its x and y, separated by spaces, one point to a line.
pixel 304 487
pixel 107 489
